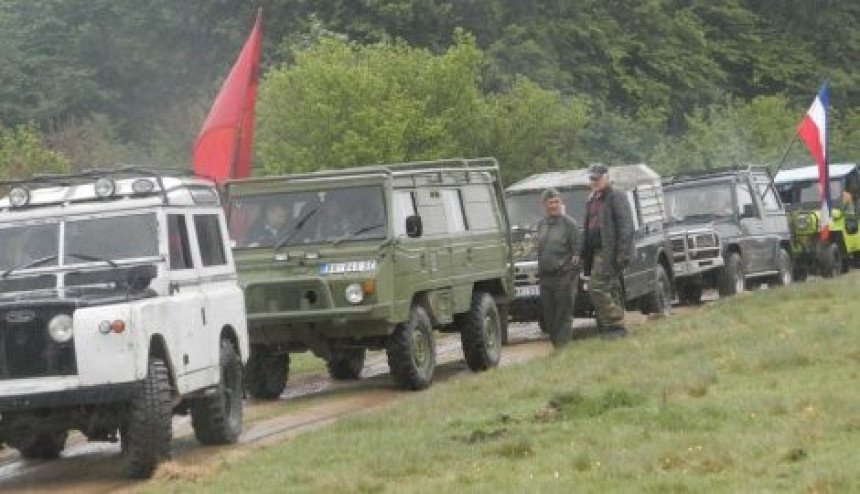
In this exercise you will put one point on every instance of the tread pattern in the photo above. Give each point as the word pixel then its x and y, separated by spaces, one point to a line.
pixel 266 374
pixel 213 419
pixel 44 446
pixel 346 363
pixel 726 282
pixel 400 360
pixel 476 348
pixel 147 435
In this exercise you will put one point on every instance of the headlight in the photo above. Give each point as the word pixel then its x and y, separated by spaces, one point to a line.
pixel 105 187
pixel 19 196
pixel 60 328
pixel 354 293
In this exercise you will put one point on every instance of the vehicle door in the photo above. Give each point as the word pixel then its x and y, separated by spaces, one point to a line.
pixel 753 241
pixel 639 275
pixel 774 219
pixel 183 313
pixel 221 297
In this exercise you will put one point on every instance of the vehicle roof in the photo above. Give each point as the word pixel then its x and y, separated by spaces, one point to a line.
pixel 623 176
pixel 810 173
pixel 168 188
pixel 386 170
pixel 714 174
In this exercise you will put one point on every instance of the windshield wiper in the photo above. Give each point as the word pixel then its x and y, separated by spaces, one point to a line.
pixel 297 227
pixel 361 230
pixel 85 257
pixel 30 264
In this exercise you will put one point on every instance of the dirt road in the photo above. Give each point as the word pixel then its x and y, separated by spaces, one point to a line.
pixel 311 401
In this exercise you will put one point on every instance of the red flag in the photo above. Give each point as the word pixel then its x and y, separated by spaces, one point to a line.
pixel 223 147
pixel 813 131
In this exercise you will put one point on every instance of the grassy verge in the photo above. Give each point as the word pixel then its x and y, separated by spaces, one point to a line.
pixel 756 393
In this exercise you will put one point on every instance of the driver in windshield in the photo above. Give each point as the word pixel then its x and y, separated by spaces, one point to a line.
pixel 273 226
pixel 338 218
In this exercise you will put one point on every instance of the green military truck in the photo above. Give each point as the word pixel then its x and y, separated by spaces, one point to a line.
pixel 339 262
pixel 798 189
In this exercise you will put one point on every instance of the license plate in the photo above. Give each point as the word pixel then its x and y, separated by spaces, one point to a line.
pixel 528 291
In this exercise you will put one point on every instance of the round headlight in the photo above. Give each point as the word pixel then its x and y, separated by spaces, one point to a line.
pixel 105 187
pixel 60 328
pixel 354 293
pixel 19 196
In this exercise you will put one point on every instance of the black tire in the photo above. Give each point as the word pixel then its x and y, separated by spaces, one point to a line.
pixel 266 373
pixel 412 351
pixel 660 300
pixel 504 316
pixel 148 430
pixel 346 363
pixel 217 419
pixel 481 333
pixel 832 261
pixel 800 271
pixel 542 325
pixel 785 275
pixel 690 292
pixel 43 445
pixel 730 278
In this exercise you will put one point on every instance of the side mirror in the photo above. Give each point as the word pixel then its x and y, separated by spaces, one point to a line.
pixel 414 226
pixel 748 212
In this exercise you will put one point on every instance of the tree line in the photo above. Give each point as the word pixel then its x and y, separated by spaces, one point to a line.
pixel 680 84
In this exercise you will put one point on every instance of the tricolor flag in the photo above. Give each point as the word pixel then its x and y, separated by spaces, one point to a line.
pixel 813 131
pixel 223 147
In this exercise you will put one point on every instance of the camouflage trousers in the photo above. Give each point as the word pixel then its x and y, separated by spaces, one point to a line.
pixel 557 293
pixel 604 289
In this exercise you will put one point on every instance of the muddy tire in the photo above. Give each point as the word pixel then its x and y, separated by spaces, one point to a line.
pixel 147 433
pixel 43 446
pixel 266 373
pixel 690 293
pixel 481 333
pixel 217 419
pixel 785 269
pixel 730 279
pixel 346 363
pixel 660 300
pixel 412 351
pixel 832 261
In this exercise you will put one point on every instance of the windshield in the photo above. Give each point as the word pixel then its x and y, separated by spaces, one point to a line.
pixel 526 210
pixel 807 192
pixel 323 216
pixel 111 238
pixel 702 200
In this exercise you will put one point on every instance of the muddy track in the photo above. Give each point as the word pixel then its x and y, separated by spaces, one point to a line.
pixel 310 401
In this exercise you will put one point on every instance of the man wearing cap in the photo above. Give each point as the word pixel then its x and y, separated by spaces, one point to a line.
pixel 606 250
pixel 558 259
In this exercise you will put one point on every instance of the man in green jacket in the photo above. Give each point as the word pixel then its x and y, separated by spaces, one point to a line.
pixel 607 249
pixel 558 265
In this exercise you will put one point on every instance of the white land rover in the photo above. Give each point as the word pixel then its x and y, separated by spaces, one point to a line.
pixel 119 306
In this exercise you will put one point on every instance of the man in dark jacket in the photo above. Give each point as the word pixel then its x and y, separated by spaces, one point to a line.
pixel 558 258
pixel 607 249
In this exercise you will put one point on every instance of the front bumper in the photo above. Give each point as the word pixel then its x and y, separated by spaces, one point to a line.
pixel 691 267
pixel 58 392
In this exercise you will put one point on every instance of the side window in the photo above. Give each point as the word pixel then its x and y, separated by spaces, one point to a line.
pixel 632 200
pixel 432 210
pixel 404 207
pixel 210 239
pixel 177 243
pixel 453 210
pixel 745 199
pixel 768 198
pixel 479 204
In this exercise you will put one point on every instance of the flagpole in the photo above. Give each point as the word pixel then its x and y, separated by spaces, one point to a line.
pixel 785 153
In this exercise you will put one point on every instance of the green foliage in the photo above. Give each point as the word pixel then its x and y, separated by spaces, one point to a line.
pixel 22 153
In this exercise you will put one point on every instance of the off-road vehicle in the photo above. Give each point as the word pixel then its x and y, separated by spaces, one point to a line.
pixel 798 189
pixel 119 306
pixel 741 204
pixel 647 282
pixel 696 256
pixel 338 262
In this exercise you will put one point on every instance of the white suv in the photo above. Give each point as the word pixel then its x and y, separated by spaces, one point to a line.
pixel 119 306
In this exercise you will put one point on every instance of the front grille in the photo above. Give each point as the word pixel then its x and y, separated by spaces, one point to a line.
pixel 706 254
pixel 705 241
pixel 26 348
pixel 286 297
pixel 677 244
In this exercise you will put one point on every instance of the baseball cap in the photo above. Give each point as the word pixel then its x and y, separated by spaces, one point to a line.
pixel 597 170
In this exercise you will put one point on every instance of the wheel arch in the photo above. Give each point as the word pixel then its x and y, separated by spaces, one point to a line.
pixel 158 348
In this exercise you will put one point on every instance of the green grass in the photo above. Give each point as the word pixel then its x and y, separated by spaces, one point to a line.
pixel 305 363
pixel 758 393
